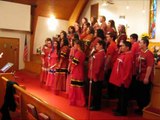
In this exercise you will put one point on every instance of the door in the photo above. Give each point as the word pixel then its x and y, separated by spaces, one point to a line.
pixel 10 49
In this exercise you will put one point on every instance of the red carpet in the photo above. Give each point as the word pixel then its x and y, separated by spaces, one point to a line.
pixel 32 84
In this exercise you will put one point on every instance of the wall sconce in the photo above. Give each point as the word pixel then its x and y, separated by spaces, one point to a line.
pixel 52 23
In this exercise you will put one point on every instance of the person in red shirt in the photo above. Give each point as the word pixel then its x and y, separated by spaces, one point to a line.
pixel 76 90
pixel 121 77
pixel 96 74
pixel 111 56
pixel 135 51
pixel 103 24
pixel 145 76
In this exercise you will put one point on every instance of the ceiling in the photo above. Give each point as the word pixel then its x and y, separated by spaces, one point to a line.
pixel 61 9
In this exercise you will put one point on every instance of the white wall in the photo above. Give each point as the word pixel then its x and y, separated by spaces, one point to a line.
pixel 137 21
pixel 21 37
pixel 43 31
pixel 15 16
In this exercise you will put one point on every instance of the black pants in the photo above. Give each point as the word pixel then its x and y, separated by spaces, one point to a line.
pixel 96 93
pixel 143 94
pixel 132 88
pixel 122 99
pixel 111 89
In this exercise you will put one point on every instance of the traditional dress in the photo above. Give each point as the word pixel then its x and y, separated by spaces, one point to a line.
pixel 61 71
pixel 121 77
pixel 76 91
pixel 44 58
pixel 52 63
pixel 87 41
pixel 96 74
pixel 71 56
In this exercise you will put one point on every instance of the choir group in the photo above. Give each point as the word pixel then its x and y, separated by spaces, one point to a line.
pixel 91 57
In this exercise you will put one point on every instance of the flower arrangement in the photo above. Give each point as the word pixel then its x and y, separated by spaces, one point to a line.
pixel 156 53
pixel 38 50
pixel 145 35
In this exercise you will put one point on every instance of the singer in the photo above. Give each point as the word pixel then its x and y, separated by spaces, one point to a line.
pixel 96 74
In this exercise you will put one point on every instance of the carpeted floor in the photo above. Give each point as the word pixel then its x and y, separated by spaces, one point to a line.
pixel 32 84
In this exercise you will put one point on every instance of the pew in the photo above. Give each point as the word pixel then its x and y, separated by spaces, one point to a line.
pixel 152 111
pixel 26 98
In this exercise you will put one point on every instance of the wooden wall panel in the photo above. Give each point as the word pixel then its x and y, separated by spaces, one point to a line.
pixel 10 48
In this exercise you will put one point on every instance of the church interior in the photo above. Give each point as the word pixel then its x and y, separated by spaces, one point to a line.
pixel 27 87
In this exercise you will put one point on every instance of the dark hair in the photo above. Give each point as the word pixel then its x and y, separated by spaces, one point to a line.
pixel 145 40
pixel 49 39
pixel 134 36
pixel 91 29
pixel 127 44
pixel 112 24
pixel 80 43
pixel 100 34
pixel 103 43
pixel 85 19
pixel 123 29
pixel 73 29
pixel 58 48
pixel 65 39
pixel 94 20
pixel 76 36
pixel 112 35
pixel 103 17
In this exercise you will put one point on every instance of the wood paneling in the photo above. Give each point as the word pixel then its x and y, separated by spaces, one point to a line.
pixel 152 111
pixel 94 10
pixel 10 48
pixel 62 9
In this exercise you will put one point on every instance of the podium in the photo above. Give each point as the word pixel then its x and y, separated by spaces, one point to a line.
pixel 152 111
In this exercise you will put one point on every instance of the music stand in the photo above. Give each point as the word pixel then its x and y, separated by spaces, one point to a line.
pixel 6 67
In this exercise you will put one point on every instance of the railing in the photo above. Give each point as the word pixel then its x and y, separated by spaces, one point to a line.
pixel 40 107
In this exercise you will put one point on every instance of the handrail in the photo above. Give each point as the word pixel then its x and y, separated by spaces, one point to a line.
pixel 65 116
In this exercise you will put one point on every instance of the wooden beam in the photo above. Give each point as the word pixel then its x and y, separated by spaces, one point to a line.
pixel 77 11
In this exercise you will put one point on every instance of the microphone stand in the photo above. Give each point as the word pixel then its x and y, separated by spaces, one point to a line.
pixel 90 84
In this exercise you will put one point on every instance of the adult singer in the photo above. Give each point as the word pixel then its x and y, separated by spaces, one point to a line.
pixel 96 74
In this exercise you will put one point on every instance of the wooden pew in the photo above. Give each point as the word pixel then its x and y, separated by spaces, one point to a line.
pixel 152 111
pixel 40 105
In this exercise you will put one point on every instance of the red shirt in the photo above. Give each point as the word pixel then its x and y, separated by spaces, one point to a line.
pixel 135 51
pixel 122 70
pixel 96 66
pixel 145 60
pixel 112 50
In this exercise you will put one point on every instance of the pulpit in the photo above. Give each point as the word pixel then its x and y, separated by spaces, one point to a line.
pixel 152 111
